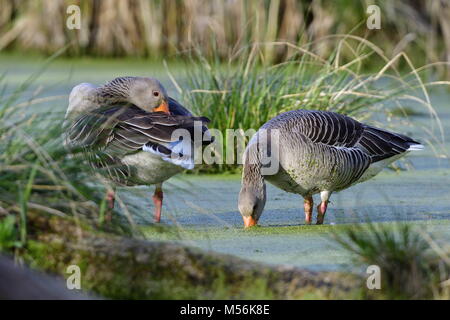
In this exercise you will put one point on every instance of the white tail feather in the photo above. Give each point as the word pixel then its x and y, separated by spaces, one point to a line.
pixel 415 147
pixel 186 161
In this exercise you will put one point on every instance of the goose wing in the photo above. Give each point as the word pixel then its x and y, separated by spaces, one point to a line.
pixel 341 131
pixel 382 144
pixel 108 134
pixel 347 143
pixel 329 128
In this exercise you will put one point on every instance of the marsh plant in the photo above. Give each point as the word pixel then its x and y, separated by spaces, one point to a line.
pixel 137 28
pixel 36 173
pixel 412 264
pixel 8 234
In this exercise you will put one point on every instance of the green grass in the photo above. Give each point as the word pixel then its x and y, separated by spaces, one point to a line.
pixel 412 264
pixel 8 234
pixel 418 27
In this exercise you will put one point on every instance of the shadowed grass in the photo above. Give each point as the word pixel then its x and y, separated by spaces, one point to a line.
pixel 135 28
pixel 8 234
pixel 37 174
pixel 412 264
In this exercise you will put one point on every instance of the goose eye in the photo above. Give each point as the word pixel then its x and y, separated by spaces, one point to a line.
pixel 156 93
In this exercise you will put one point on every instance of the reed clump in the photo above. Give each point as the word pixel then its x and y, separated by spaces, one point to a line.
pixel 163 28
pixel 412 264
pixel 37 175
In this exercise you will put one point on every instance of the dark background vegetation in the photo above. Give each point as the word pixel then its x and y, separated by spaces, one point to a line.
pixel 164 28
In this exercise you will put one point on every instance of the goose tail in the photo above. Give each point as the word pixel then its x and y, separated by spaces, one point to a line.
pixel 415 147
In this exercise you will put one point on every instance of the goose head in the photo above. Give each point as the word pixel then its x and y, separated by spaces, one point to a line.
pixel 147 94
pixel 252 199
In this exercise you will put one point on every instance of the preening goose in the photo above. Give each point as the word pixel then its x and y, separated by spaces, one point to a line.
pixel 317 152
pixel 127 129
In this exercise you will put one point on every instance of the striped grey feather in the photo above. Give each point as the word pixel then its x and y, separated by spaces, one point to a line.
pixel 324 127
pixel 382 144
pixel 341 131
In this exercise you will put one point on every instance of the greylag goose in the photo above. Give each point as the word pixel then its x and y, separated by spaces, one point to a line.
pixel 317 152
pixel 125 129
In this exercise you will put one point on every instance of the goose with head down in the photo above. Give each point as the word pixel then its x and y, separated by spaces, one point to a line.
pixel 133 133
pixel 317 152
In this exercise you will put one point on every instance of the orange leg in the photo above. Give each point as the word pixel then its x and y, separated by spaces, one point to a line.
pixel 321 210
pixel 110 198
pixel 157 200
pixel 308 205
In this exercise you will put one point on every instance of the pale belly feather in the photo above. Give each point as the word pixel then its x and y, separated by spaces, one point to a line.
pixel 149 168
pixel 305 173
pixel 293 181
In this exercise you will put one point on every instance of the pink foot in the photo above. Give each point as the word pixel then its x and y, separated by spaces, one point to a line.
pixel 157 200
pixel 110 198
pixel 321 210
pixel 308 206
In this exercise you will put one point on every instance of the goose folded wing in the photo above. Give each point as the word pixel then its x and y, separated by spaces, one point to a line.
pixel 382 144
pixel 338 130
pixel 124 130
pixel 330 128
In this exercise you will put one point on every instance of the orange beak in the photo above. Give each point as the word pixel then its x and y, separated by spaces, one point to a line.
pixel 249 222
pixel 163 107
